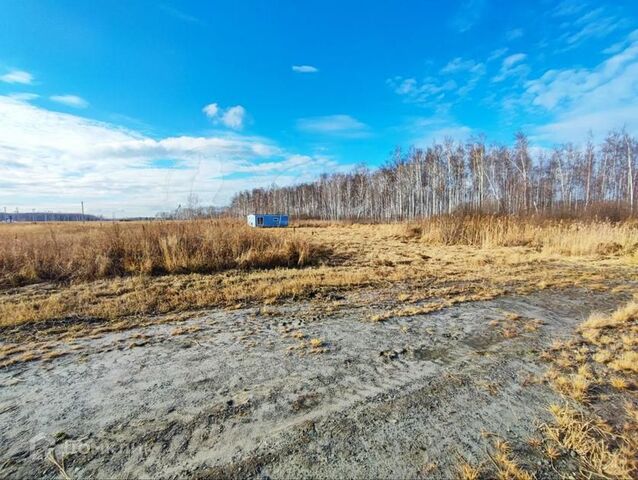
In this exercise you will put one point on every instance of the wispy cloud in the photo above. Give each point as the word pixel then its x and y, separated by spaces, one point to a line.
pixel 512 66
pixel 454 81
pixel 598 98
pixel 180 15
pixel 621 45
pixel 17 76
pixel 70 100
pixel 24 96
pixel 583 21
pixel 336 125
pixel 591 25
pixel 430 91
pixel 304 69
pixel 424 131
pixel 232 117
pixel 458 65
pixel 568 7
pixel 468 15
pixel 497 53
pixel 467 74
pixel 511 60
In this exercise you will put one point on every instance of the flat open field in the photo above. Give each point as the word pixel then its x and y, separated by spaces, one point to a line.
pixel 437 350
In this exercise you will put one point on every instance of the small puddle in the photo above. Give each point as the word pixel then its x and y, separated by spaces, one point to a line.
pixel 430 353
pixel 481 343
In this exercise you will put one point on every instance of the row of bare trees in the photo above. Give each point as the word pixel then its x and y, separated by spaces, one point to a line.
pixel 453 176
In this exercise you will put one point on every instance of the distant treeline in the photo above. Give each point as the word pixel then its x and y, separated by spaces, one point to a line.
pixel 47 217
pixel 453 176
pixel 193 210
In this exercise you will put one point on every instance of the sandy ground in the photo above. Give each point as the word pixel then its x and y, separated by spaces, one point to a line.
pixel 237 394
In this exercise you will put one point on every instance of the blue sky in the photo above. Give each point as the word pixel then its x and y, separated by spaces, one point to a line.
pixel 132 106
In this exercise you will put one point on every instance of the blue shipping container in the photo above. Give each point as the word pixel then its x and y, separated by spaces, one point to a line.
pixel 267 220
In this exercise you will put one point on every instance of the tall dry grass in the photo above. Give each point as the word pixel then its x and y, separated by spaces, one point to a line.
pixel 34 253
pixel 564 237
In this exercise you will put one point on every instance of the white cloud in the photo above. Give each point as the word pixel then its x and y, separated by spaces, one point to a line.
pixel 624 43
pixel 211 110
pixel 498 53
pixel 24 96
pixel 571 85
pixel 70 101
pixel 573 126
pixel 512 66
pixel 338 125
pixel 467 72
pixel 428 92
pixel 52 160
pixel 233 117
pixel 568 7
pixel 304 69
pixel 455 80
pixel 511 60
pixel 582 21
pixel 460 65
pixel 601 98
pixel 425 131
pixel 591 25
pixel 17 76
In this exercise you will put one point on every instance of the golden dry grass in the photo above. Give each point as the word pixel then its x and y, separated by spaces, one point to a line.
pixel 503 466
pixel 549 236
pixel 469 472
pixel 507 468
pixel 34 253
pixel 601 451
pixel 599 321
pixel 363 257
pixel 603 369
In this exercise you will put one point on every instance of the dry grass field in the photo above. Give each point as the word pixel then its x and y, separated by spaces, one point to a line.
pixel 85 252
pixel 64 287
pixel 121 271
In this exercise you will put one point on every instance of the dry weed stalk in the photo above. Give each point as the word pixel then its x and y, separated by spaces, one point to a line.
pixel 58 464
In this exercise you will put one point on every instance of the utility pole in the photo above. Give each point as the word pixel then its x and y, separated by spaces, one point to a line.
pixel 82 210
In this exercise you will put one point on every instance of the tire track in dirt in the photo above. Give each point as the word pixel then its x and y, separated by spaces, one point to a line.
pixel 379 402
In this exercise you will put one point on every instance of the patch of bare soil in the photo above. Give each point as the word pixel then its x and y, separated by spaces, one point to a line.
pixel 289 392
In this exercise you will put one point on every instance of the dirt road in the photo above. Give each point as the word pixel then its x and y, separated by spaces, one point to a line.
pixel 290 392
